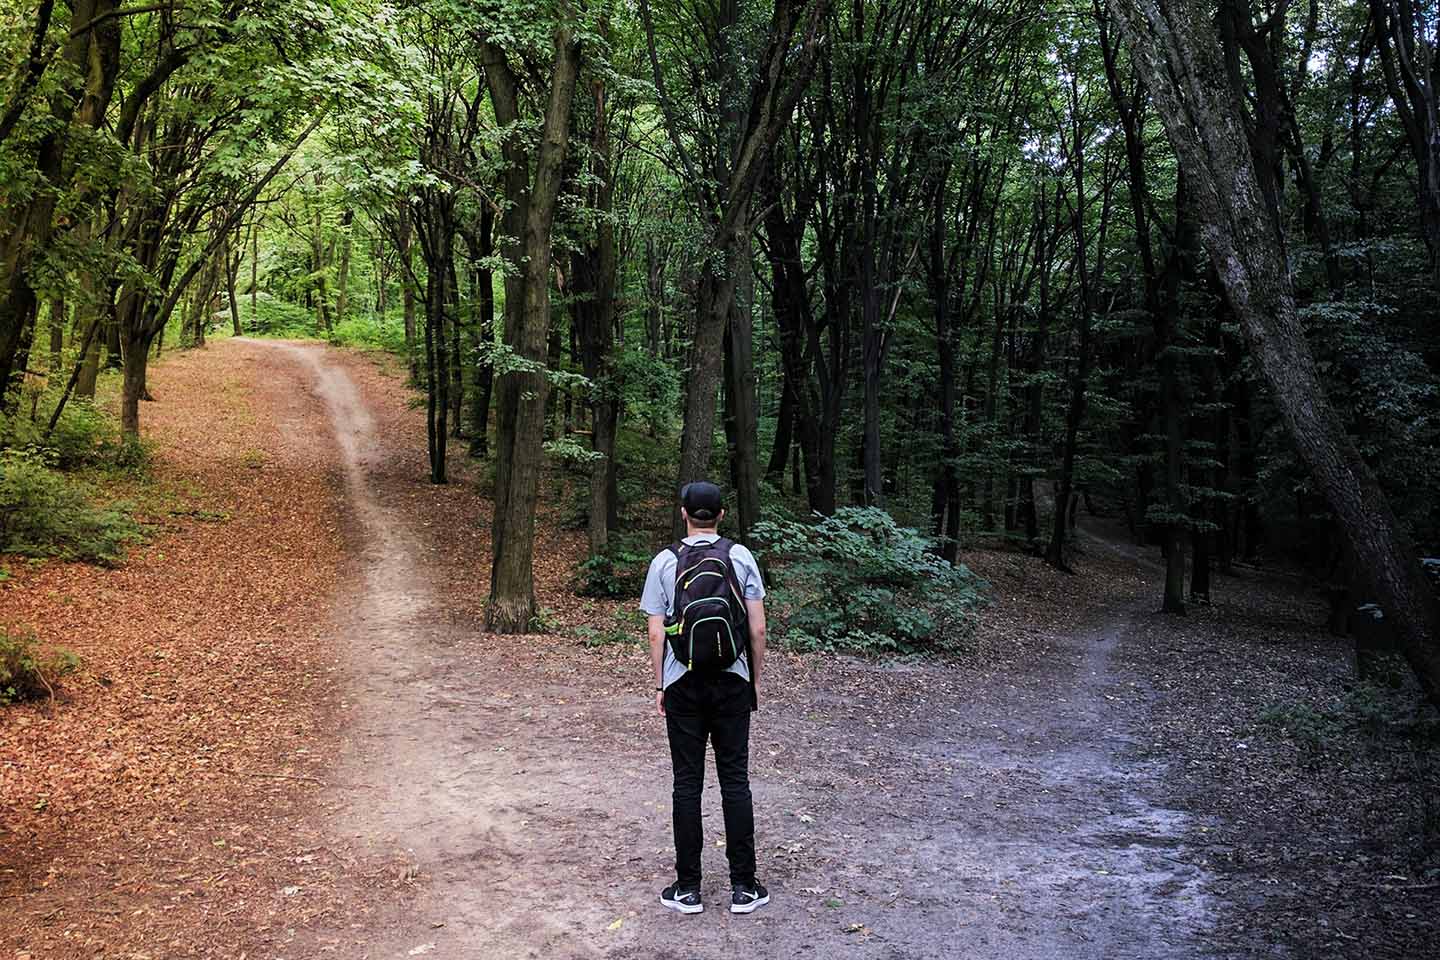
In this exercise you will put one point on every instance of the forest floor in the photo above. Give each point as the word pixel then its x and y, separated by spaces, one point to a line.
pixel 291 740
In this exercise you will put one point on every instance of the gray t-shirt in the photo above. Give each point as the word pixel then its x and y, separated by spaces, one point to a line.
pixel 658 598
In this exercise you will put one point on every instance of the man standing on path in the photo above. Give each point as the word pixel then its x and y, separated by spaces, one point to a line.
pixel 704 598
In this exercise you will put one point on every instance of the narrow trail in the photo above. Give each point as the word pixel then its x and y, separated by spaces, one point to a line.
pixel 902 812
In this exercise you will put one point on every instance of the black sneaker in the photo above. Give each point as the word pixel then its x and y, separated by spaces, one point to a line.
pixel 748 899
pixel 686 901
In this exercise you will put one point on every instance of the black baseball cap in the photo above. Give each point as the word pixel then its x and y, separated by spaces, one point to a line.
pixel 702 500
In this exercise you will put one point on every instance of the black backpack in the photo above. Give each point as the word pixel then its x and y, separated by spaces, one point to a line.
pixel 709 628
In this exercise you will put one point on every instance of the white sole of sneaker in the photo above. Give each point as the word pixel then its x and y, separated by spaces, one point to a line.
pixel 750 907
pixel 683 907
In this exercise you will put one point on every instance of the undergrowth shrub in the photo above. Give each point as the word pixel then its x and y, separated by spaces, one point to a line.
pixel 45 513
pixel 28 672
pixel 278 318
pixel 1367 712
pixel 83 436
pixel 373 333
pixel 617 573
pixel 859 581
pixel 291 321
pixel 626 627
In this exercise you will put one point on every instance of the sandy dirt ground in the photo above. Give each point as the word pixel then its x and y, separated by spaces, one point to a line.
pixel 1058 793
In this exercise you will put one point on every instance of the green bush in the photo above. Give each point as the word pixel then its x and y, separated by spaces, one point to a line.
pixel 27 672
pixel 373 333
pixel 278 318
pixel 626 627
pixel 45 513
pixel 291 321
pixel 617 573
pixel 83 436
pixel 1311 729
pixel 859 581
pixel 1366 711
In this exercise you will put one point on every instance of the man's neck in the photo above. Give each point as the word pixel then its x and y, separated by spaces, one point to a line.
pixel 694 531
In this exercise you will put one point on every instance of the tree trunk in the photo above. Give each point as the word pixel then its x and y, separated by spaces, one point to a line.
pixel 484 368
pixel 872 355
pixel 96 309
pixel 556 424
pixel 715 293
pixel 435 224
pixel 784 431
pixel 92 60
pixel 1075 413
pixel 342 274
pixel 593 275
pixel 407 289
pixel 1173 530
pixel 457 351
pixel 737 156
pixel 992 415
pixel 511 606
pixel 57 333
pixel 135 365
pixel 1176 50
pixel 254 270
pixel 382 278
pixel 89 368
pixel 232 266
pixel 945 503
pixel 740 388
pixel 322 285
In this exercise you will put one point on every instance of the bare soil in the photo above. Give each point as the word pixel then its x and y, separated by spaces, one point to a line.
pixel 1072 787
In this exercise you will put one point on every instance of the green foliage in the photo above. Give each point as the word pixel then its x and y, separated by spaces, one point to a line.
pixel 1310 728
pixel 618 572
pixel 83 436
pixel 544 620
pixel 859 581
pixel 45 513
pixel 1367 710
pixel 28 672
pixel 372 333
pixel 277 318
pixel 626 628
pixel 571 452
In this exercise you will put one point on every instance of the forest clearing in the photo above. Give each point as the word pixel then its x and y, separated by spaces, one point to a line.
pixel 476 477
pixel 345 766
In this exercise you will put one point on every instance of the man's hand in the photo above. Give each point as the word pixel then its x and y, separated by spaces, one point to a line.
pixel 660 702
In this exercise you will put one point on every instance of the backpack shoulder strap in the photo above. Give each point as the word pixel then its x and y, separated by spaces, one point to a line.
pixel 723 546
pixel 678 549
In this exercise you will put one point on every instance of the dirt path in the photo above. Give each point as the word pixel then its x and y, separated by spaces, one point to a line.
pixel 910 812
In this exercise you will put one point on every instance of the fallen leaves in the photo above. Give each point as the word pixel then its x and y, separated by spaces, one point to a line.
pixel 203 653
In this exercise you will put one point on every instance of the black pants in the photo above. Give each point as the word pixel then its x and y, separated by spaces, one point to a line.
pixel 698 707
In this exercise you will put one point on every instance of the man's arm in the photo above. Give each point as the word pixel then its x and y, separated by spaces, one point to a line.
pixel 756 611
pixel 655 626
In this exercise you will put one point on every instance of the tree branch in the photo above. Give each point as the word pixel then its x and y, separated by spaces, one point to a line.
pixel 231 221
pixel 34 66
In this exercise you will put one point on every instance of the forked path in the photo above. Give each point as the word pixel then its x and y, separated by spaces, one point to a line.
pixel 912 811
